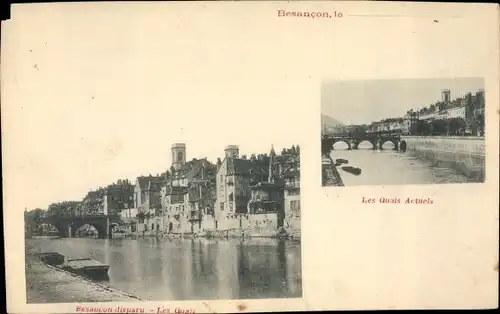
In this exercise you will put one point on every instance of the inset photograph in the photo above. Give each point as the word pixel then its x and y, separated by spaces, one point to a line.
pixel 408 131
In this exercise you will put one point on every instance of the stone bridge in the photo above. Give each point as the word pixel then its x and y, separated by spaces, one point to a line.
pixel 353 140
pixel 67 225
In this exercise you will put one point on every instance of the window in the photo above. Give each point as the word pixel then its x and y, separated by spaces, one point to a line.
pixel 222 206
pixel 152 226
pixel 295 205
pixel 179 156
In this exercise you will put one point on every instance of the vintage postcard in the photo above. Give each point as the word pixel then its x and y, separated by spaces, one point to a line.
pixel 164 157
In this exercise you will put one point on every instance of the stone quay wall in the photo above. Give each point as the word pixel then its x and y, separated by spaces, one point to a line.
pixel 464 153
pixel 257 225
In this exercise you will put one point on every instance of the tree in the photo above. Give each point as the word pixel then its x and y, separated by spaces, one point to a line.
pixel 297 149
pixel 480 124
pixel 283 152
pixel 439 127
pixel 219 162
pixel 34 215
pixel 457 126
pixel 140 216
pixel 253 157
pixel 62 208
pixel 422 127
pixel 244 157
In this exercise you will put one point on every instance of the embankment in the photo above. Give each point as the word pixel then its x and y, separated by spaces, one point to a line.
pixel 47 284
pixel 463 153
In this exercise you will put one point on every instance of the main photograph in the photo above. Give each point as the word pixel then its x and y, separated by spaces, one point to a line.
pixel 199 229
pixel 407 131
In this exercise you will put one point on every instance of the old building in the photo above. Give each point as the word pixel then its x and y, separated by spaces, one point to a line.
pixel 290 172
pixel 233 180
pixel 456 113
pixel 175 214
pixel 187 193
pixel 117 197
pixel 92 203
pixel 145 193
pixel 266 207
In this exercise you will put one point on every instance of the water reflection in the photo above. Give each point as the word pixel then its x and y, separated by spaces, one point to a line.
pixel 389 167
pixel 195 268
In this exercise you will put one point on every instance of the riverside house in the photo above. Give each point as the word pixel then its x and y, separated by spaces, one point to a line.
pixel 234 177
pixel 186 193
pixel 146 194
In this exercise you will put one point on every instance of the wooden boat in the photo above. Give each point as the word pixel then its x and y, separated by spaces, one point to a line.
pixel 341 161
pixel 86 267
pixel 353 170
pixel 51 258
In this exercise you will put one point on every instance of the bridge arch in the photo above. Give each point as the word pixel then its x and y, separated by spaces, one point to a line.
pixel 348 143
pixel 78 229
pixel 366 140
pixel 101 228
pixel 47 229
pixel 394 142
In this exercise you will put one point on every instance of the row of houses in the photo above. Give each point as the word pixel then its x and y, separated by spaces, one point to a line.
pixel 260 193
pixel 468 108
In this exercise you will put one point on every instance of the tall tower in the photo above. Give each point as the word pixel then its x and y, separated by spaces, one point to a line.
pixel 445 95
pixel 232 151
pixel 272 170
pixel 178 155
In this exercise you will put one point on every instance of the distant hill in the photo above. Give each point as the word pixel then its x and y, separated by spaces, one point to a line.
pixel 330 122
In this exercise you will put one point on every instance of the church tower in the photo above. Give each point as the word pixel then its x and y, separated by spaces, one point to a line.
pixel 178 155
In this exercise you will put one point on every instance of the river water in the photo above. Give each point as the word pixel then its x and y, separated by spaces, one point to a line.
pixel 389 167
pixel 192 269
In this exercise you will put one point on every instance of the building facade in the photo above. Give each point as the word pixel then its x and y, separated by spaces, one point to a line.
pixel 118 197
pixel 233 180
pixel 187 193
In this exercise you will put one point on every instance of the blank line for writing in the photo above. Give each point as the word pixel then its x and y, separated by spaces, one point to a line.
pixel 407 16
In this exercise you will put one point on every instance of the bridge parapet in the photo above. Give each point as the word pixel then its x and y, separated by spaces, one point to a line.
pixel 68 223
pixel 353 140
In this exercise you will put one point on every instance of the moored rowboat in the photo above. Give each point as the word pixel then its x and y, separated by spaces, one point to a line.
pixel 85 266
pixel 353 170
pixel 341 161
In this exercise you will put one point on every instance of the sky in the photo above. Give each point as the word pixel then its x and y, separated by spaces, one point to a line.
pixel 366 101
pixel 85 113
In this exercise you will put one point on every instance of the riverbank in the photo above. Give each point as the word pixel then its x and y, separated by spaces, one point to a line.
pixel 47 284
pixel 463 153
pixel 291 234
pixel 330 174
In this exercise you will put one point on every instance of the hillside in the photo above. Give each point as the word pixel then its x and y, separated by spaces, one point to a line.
pixel 329 121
